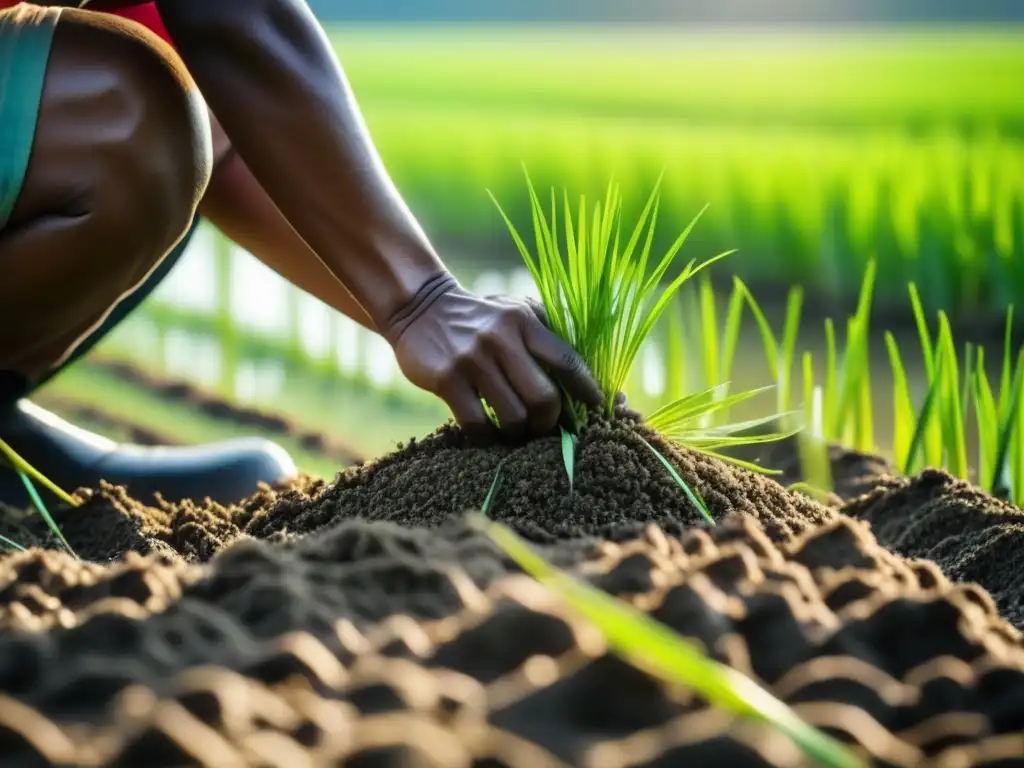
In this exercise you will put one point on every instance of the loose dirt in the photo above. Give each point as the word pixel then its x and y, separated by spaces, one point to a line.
pixel 361 623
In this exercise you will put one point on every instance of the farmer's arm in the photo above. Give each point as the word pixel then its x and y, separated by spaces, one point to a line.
pixel 238 206
pixel 269 74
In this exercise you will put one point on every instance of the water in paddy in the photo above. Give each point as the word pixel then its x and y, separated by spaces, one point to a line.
pixel 224 321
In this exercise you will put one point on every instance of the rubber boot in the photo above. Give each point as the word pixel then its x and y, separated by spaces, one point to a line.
pixel 73 458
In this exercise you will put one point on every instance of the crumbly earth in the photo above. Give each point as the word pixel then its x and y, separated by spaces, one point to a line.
pixel 362 623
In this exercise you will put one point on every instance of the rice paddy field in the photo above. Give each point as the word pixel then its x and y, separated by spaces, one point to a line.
pixel 791 537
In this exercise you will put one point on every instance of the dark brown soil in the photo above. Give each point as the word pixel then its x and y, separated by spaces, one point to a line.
pixel 975 537
pixel 360 623
pixel 619 486
pixel 371 644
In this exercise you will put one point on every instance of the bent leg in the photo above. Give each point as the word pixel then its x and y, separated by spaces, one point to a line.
pixel 120 157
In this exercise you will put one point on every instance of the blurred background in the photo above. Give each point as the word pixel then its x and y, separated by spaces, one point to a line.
pixel 821 133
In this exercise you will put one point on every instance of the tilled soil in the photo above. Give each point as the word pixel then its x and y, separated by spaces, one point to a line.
pixel 360 623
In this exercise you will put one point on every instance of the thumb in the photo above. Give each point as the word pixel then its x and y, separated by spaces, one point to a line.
pixel 538 309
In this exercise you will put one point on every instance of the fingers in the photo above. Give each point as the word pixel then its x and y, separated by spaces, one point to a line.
pixel 538 310
pixel 539 395
pixel 512 413
pixel 468 411
pixel 564 363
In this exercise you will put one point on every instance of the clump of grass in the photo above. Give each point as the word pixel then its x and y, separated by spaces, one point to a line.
pixel 604 292
pixel 660 652
pixel 935 434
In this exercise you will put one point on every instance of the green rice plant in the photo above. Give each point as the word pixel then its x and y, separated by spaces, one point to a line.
pixel 601 297
pixel 569 455
pixel 658 651
pixel 716 346
pixel 936 433
pixel 844 412
pixel 604 297
pixel 815 464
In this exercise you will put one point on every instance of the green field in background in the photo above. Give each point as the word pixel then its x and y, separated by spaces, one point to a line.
pixel 897 77
pixel 815 153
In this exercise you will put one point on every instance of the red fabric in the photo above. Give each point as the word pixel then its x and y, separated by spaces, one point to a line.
pixel 146 14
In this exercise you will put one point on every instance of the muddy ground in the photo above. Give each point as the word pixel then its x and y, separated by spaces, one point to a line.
pixel 363 623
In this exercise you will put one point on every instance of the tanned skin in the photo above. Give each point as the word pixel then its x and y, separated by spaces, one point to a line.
pixel 266 70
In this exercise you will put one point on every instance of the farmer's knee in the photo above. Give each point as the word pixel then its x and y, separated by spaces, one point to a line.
pixel 123 123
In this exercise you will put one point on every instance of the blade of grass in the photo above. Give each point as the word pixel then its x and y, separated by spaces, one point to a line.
pixel 44 512
pixel 657 650
pixel 924 421
pixel 690 494
pixel 787 349
pixel 1008 434
pixel 569 455
pixel 492 491
pixel 23 466
pixel 12 545
pixel 815 464
pixel 730 340
pixel 904 417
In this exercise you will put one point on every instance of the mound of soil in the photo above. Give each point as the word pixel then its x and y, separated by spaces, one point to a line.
pixel 972 535
pixel 619 486
pixel 370 644
pixel 362 623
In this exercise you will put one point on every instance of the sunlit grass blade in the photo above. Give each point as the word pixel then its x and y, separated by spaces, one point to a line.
pixel 925 418
pixel 1009 434
pixel 675 354
pixel 1007 372
pixel 11 545
pixel 904 416
pixel 709 326
pixel 730 339
pixel 657 650
pixel 828 399
pixel 815 463
pixel 685 406
pixel 23 466
pixel 768 341
pixel 694 498
pixel 950 415
pixel 787 348
pixel 852 418
pixel 569 455
pixel 44 512
pixel 932 437
pixel 493 490
pixel 673 415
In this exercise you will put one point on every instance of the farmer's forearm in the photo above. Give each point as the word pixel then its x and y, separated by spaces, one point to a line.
pixel 237 205
pixel 266 68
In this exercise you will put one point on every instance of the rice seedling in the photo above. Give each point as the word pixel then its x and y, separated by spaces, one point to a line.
pixel 658 651
pixel 936 434
pixel 605 296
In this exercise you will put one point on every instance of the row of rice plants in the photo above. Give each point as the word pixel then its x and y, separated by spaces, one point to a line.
pixel 960 402
pixel 943 211
pixel 852 79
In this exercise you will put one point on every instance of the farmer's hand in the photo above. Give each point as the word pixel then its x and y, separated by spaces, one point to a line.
pixel 463 348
